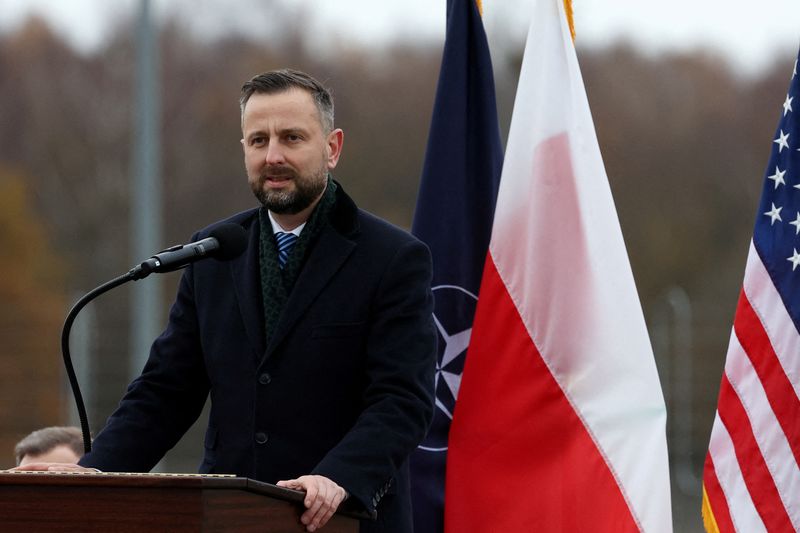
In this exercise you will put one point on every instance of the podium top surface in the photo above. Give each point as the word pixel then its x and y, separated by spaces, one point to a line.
pixel 134 479
pixel 164 480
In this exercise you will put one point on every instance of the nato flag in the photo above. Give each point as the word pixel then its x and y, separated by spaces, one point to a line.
pixel 454 213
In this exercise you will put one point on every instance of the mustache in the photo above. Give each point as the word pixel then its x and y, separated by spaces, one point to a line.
pixel 277 172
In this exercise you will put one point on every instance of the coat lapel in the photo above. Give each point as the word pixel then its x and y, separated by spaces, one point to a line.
pixel 327 256
pixel 247 286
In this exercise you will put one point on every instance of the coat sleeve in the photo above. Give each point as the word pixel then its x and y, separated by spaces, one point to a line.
pixel 400 365
pixel 163 402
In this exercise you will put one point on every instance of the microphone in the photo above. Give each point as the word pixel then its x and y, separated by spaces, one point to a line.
pixel 224 242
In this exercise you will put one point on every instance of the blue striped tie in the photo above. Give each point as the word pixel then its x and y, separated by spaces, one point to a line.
pixel 285 242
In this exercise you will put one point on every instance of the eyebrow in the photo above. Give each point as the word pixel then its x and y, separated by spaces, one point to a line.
pixel 281 132
pixel 293 130
pixel 255 133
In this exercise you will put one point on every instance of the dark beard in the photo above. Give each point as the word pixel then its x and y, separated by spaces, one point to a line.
pixel 307 189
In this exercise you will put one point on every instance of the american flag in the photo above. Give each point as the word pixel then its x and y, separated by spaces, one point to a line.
pixel 751 479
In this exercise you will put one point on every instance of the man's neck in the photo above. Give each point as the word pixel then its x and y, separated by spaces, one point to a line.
pixel 290 221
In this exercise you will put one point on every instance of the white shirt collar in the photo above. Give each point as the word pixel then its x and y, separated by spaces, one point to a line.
pixel 276 228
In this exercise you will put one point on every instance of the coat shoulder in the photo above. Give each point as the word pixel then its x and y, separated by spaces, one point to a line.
pixel 373 227
pixel 246 219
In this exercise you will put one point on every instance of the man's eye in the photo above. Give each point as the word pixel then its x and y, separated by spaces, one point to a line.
pixel 293 137
pixel 257 141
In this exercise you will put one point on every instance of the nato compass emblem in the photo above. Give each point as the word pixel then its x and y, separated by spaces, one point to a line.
pixel 454 309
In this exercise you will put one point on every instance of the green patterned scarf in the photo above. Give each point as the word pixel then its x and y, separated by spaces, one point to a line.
pixel 277 283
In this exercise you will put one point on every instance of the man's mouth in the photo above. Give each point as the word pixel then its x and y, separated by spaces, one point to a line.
pixel 276 179
pixel 278 175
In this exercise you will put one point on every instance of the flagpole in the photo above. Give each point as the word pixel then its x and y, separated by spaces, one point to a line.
pixel 570 18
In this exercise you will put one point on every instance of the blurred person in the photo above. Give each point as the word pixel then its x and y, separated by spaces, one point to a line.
pixel 319 358
pixel 55 444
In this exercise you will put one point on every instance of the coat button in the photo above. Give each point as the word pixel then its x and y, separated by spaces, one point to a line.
pixel 261 437
pixel 264 378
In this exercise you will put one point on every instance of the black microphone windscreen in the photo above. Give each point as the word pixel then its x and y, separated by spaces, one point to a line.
pixel 232 241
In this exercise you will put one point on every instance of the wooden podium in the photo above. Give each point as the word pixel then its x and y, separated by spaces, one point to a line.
pixel 110 502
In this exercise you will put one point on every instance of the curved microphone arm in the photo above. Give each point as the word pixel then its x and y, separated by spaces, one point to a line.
pixel 73 380
pixel 224 242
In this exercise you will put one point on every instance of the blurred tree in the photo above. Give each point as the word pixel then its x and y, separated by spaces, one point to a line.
pixel 31 289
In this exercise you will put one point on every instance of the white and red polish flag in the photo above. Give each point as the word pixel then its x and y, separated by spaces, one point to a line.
pixel 560 420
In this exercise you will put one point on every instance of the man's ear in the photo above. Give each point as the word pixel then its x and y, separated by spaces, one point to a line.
pixel 334 147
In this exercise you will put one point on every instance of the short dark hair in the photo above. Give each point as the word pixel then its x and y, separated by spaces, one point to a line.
pixel 277 81
pixel 43 440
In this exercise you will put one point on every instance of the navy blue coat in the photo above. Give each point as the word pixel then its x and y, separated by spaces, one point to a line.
pixel 344 389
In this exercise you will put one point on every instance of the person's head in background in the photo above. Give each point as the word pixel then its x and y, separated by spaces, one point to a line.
pixel 50 445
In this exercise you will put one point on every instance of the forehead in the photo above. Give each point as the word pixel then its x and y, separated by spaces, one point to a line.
pixel 59 454
pixel 292 108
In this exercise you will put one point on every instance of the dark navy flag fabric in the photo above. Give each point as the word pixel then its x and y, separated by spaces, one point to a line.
pixel 453 216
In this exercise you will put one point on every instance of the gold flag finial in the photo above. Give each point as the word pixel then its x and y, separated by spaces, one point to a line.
pixel 568 9
pixel 480 6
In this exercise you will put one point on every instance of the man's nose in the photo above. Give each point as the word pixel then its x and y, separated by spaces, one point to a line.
pixel 274 154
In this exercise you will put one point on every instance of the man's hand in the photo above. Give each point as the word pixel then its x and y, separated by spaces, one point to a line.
pixel 323 497
pixel 54 467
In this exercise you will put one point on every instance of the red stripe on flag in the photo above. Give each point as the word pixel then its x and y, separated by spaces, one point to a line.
pixel 520 459
pixel 754 469
pixel 780 393
pixel 716 497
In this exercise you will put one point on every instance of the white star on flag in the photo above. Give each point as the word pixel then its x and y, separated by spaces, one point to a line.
pixel 782 141
pixel 787 105
pixel 796 223
pixel 774 214
pixel 795 259
pixel 778 177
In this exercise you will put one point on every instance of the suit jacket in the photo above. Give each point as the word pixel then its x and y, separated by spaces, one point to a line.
pixel 344 389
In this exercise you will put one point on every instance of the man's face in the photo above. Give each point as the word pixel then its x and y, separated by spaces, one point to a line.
pixel 286 153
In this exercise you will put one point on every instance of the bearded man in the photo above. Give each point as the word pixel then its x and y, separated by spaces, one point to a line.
pixel 316 346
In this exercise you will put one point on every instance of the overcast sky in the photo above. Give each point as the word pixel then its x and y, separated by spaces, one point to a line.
pixel 747 32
